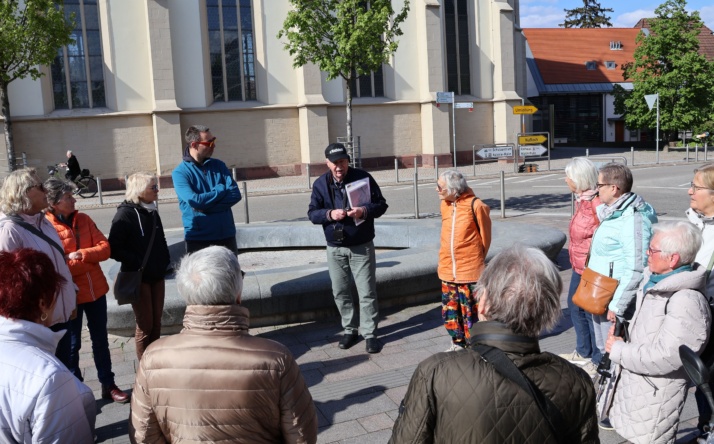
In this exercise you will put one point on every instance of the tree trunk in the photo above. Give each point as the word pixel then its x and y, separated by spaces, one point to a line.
pixel 349 110
pixel 7 124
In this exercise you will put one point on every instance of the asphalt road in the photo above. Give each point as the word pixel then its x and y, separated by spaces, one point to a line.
pixel 546 193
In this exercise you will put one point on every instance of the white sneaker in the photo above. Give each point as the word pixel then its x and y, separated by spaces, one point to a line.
pixel 590 369
pixel 575 358
pixel 454 348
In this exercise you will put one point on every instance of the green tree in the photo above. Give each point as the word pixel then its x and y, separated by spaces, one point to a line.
pixel 344 38
pixel 590 15
pixel 667 62
pixel 31 32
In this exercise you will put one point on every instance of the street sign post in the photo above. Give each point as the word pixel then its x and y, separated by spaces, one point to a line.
pixel 464 104
pixel 651 99
pixel 532 139
pixel 444 97
pixel 532 150
pixel 492 152
pixel 524 109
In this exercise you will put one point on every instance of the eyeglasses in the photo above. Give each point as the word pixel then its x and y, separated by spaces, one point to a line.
pixel 154 187
pixel 438 188
pixel 651 251
pixel 209 143
pixel 697 187
pixel 600 185
pixel 39 186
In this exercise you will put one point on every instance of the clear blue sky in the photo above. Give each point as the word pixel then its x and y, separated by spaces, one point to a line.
pixel 549 13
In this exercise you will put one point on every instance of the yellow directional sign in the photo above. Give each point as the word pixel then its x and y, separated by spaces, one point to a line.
pixel 527 109
pixel 531 140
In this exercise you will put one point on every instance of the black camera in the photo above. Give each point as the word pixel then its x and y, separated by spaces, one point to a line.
pixel 338 234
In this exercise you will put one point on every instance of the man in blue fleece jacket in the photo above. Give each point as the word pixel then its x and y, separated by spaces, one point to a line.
pixel 206 192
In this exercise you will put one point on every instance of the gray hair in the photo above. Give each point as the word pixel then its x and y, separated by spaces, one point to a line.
pixel 210 277
pixel 583 173
pixel 522 290
pixel 455 182
pixel 618 175
pixel 706 174
pixel 193 133
pixel 13 193
pixel 136 184
pixel 56 188
pixel 681 237
pixel 69 152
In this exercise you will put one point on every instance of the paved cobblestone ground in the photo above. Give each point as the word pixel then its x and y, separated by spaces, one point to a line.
pixel 356 394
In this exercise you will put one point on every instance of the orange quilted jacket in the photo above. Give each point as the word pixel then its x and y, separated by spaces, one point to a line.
pixel 85 236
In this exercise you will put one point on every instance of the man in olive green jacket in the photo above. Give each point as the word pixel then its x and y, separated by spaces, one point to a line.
pixel 459 397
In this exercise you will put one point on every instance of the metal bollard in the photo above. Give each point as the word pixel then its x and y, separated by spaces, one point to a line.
pixel 126 178
pixel 503 196
pixel 99 190
pixel 632 153
pixel 416 191
pixel 234 172
pixel 696 152
pixel 705 151
pixel 24 159
pixel 245 202
pixel 687 153
pixel 436 168
pixel 473 158
pixel 309 184
pixel 396 170
pixel 587 152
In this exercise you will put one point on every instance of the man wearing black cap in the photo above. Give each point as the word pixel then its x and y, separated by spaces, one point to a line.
pixel 349 233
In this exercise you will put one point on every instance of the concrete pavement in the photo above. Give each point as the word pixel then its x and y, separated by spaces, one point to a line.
pixel 356 394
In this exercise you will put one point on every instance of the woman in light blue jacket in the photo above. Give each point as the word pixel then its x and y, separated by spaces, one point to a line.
pixel 620 243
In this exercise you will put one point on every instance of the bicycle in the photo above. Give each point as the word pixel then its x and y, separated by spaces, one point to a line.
pixel 86 184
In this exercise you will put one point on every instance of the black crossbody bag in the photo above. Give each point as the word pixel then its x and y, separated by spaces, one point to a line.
pixel 506 368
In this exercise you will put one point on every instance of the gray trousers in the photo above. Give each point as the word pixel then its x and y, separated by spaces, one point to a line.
pixel 357 263
pixel 601 327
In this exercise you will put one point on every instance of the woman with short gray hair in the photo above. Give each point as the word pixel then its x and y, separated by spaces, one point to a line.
pixel 465 240
pixel 130 238
pixel 581 178
pixel 670 311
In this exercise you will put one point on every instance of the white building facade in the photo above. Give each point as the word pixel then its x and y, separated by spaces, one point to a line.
pixel 142 71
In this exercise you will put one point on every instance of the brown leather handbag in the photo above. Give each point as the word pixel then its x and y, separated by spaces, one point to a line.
pixel 595 291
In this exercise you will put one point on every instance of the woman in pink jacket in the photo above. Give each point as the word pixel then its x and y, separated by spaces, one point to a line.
pixel 581 177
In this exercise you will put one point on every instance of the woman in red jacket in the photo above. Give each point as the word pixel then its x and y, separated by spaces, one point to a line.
pixel 581 178
pixel 85 247
pixel 465 240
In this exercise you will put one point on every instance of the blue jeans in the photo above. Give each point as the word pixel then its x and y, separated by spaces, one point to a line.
pixel 62 351
pixel 583 325
pixel 97 323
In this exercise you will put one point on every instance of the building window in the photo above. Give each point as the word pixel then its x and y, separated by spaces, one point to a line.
pixel 610 65
pixel 615 46
pixel 368 85
pixel 78 69
pixel 232 49
pixel 591 66
pixel 457 46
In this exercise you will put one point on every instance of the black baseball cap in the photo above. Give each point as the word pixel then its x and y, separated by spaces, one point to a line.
pixel 336 151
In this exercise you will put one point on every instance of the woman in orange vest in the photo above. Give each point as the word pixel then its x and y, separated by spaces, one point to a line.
pixel 85 247
pixel 465 239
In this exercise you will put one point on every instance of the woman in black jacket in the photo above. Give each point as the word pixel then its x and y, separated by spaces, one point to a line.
pixel 129 239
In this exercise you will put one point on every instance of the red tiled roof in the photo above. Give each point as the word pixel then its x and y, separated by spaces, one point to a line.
pixel 561 53
pixel 706 38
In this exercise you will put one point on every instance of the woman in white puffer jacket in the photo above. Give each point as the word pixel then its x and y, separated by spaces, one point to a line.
pixel 671 310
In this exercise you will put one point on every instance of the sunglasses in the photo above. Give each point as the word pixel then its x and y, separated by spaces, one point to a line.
pixel 209 143
pixel 39 186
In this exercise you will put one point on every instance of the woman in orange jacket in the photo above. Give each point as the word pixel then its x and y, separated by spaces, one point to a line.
pixel 85 247
pixel 465 240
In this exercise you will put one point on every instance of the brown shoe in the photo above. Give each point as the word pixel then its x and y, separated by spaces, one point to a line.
pixel 112 392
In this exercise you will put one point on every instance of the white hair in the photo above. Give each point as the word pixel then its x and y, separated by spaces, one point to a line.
pixel 210 277
pixel 680 237
pixel 583 173
pixel 455 182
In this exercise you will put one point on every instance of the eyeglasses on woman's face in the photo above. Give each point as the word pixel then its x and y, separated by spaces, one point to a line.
pixel 652 251
pixel 696 188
